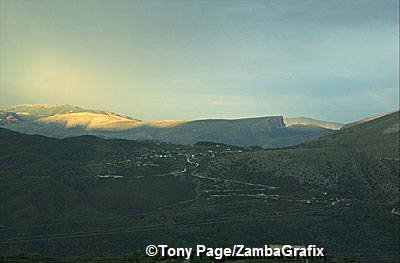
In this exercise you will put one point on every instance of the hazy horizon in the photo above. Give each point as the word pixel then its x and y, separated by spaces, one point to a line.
pixel 156 60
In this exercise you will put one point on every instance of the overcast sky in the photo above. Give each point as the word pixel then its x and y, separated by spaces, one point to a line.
pixel 330 60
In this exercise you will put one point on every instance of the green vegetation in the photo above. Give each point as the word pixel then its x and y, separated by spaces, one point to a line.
pixel 87 195
pixel 377 138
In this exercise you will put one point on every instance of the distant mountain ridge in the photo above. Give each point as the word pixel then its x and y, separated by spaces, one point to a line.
pixel 36 111
pixel 66 121
pixel 342 185
pixel 310 121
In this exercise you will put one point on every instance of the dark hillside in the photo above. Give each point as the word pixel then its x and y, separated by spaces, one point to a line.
pixel 74 196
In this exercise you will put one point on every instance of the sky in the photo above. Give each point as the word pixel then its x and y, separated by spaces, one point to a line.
pixel 194 59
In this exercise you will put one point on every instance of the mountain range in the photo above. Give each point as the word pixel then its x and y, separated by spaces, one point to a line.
pixel 84 195
pixel 62 121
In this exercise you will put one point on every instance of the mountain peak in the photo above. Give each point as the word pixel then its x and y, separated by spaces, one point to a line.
pixel 37 111
pixel 67 120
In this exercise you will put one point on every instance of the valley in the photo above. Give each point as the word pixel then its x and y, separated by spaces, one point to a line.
pixel 180 131
pixel 86 194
